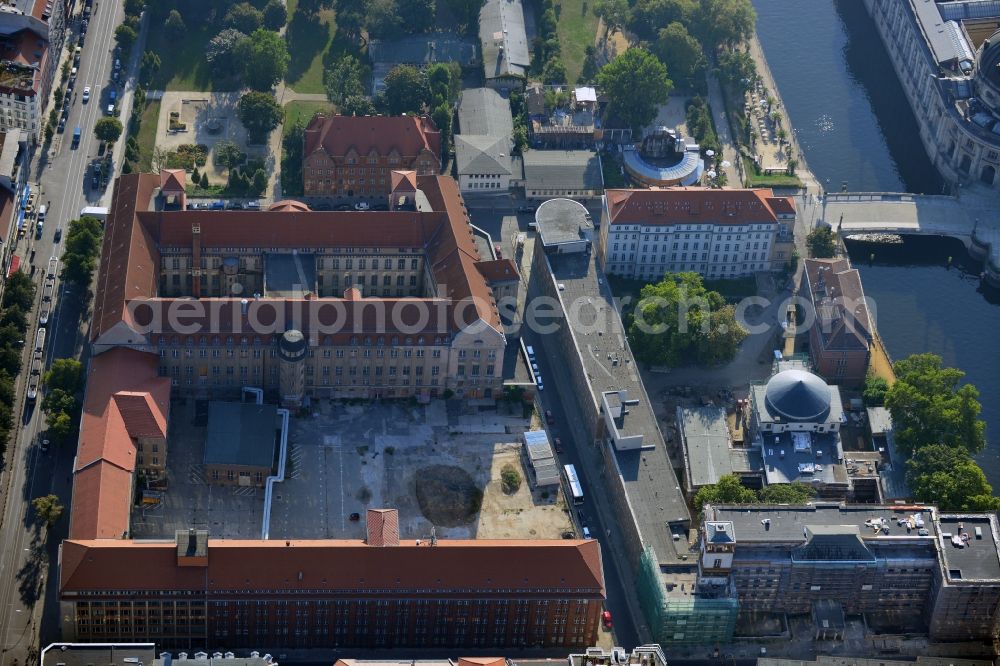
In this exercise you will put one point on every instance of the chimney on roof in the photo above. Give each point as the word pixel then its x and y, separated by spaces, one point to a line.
pixel 383 527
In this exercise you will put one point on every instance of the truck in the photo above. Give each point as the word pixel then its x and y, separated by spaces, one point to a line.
pixel 98 212
pixel 76 136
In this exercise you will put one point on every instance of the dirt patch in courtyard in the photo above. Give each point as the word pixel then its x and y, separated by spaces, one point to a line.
pixel 447 495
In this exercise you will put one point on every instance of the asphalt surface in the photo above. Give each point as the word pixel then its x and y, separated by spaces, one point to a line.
pixel 28 558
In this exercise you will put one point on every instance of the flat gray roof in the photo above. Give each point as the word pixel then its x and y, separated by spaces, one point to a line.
pixel 653 491
pixel 241 433
pixel 563 221
pixel 788 523
pixel 786 462
pixel 944 43
pixel 484 111
pixel 98 654
pixel 288 275
pixel 563 170
pixel 978 559
pixel 708 450
pixel 503 39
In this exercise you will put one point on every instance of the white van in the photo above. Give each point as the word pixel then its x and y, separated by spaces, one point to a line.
pixel 42 210
pixel 586 533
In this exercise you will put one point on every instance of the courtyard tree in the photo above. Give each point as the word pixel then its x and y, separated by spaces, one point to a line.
pixel 108 129
pixel 48 509
pixel 678 321
pixel 648 16
pixel 682 54
pixel 228 154
pixel 265 61
pixel 406 90
pixel 930 405
pixel 417 16
pixel 822 242
pixel 260 113
pixel 357 105
pixel 344 78
pixel 724 22
pixel 875 389
pixel 243 17
pixel 950 479
pixel 727 490
pixel 174 25
pixel 635 82
pixel 787 493
pixel 275 15
pixel 291 159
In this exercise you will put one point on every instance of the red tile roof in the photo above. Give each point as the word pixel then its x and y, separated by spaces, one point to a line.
pixel 498 271
pixel 404 181
pixel 124 399
pixel 840 305
pixel 383 527
pixel 450 566
pixel 694 205
pixel 288 205
pixel 172 180
pixel 338 135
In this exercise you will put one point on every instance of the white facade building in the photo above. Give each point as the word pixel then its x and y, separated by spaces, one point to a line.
pixel 718 233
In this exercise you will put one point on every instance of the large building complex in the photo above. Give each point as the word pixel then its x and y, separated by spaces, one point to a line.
pixel 718 233
pixel 31 38
pixel 353 157
pixel 945 55
pixel 905 568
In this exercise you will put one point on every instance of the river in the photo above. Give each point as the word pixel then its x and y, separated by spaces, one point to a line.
pixel 855 127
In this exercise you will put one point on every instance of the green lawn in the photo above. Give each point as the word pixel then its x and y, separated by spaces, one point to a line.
pixel 147 134
pixel 577 30
pixel 183 63
pixel 304 111
pixel 309 42
pixel 768 180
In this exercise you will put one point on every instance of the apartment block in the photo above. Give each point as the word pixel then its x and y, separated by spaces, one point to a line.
pixel 31 38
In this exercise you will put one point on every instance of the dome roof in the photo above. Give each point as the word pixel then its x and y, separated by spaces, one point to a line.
pixel 289 206
pixel 798 395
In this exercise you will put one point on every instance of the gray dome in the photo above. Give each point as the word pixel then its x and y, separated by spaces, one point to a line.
pixel 798 395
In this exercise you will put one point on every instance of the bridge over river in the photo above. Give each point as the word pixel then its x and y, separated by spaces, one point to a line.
pixel 973 219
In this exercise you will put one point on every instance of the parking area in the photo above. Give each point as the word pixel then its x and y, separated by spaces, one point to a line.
pixel 441 468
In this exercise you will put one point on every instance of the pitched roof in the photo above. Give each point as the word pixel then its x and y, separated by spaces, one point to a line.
pixel 383 527
pixel 449 566
pixel 503 38
pixel 338 135
pixel 484 111
pixel 483 154
pixel 691 205
pixel 839 301
pixel 562 170
pixel 172 180
pixel 499 271
pixel 404 181
pixel 124 399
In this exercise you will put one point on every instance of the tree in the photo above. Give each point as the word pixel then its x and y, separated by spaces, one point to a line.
pixel 614 13
pixel 928 406
pixel 417 16
pixel 682 54
pixel 48 509
pixel 382 18
pixel 510 479
pixel 265 60
pixel 554 72
pixel 727 490
pixel 442 119
pixel 875 389
pixel 678 321
pixel 149 67
pixel 312 7
pixel 19 292
pixel 738 69
pixel 357 105
pixel 204 180
pixel 275 15
pixel 350 18
pixel 222 51
pixel 520 137
pixel 635 82
pixel 244 17
pixel 440 79
pixel 406 90
pixel 260 113
pixel 125 36
pixel 787 493
pixel 108 129
pixel 725 22
pixel 291 158
pixel 65 374
pixel 83 244
pixel 228 154
pixel 174 25
pixel 134 7
pixel 343 79
pixel 10 360
pixel 14 316
pixel 259 182
pixel 822 242
pixel 466 13
pixel 648 16
pixel 60 426
pixel 58 401
pixel 948 477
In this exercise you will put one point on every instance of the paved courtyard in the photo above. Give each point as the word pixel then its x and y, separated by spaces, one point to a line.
pixel 439 467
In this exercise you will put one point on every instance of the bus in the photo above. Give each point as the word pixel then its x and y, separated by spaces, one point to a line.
pixel 573 481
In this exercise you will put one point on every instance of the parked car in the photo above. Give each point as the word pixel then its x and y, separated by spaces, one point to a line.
pixel 86 94
pixel 586 532
pixel 606 619
pixel 548 417
pixel 355 517
pixel 526 209
pixel 361 205
pixel 559 448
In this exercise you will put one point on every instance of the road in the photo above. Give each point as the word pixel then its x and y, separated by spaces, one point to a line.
pixel 27 559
